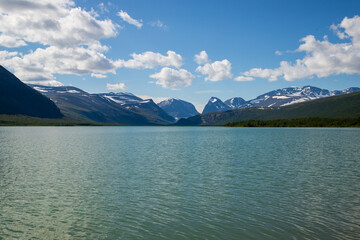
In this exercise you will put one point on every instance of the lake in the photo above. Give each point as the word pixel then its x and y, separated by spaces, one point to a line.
pixel 179 183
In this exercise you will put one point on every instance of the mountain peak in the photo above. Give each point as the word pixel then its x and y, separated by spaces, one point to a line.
pixel 215 105
pixel 178 108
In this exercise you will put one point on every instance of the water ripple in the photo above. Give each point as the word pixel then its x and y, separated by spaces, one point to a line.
pixel 179 183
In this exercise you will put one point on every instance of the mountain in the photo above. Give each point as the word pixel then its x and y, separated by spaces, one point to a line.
pixel 215 105
pixel 150 109
pixel 288 96
pixel 121 97
pixel 118 108
pixel 291 95
pixel 178 108
pixel 345 91
pixel 18 98
pixel 235 103
pixel 340 106
pixel 277 98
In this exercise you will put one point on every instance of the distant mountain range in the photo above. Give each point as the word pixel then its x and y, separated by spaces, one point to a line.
pixel 277 98
pixel 67 102
pixel 119 108
pixel 340 106
pixel 17 98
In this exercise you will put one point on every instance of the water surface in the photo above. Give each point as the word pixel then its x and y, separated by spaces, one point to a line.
pixel 179 183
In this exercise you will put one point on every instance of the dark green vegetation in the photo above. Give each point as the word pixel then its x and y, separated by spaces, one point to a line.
pixel 299 122
pixel 342 106
pixel 18 98
pixel 23 120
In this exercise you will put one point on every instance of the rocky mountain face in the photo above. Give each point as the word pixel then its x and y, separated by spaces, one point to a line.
pixel 235 102
pixel 277 98
pixel 119 108
pixel 178 108
pixel 215 105
pixel 18 98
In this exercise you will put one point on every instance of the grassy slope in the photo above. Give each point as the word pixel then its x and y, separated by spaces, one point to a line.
pixel 299 122
pixel 24 120
pixel 343 106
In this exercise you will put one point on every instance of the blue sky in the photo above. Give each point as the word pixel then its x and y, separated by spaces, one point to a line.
pixel 240 38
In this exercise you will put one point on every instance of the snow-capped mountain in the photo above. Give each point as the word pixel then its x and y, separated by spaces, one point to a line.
pixel 120 97
pixel 215 105
pixel 148 108
pixel 277 98
pixel 178 108
pixel 57 90
pixel 287 96
pixel 120 107
pixel 235 102
pixel 345 91
pixel 292 95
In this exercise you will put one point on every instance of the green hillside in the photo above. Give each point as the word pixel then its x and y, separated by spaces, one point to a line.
pixel 342 106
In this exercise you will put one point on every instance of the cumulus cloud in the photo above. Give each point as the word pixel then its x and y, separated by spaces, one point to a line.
pixel 202 58
pixel 70 39
pixel 55 23
pixel 216 71
pixel 149 60
pixel 43 63
pixel 322 58
pixel 126 18
pixel 172 78
pixel 116 86
pixel 279 53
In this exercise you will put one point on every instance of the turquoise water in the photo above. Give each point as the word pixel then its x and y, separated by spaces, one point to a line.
pixel 179 183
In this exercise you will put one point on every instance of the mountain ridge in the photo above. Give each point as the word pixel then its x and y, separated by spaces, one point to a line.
pixel 178 108
pixel 277 98
pixel 18 98
pixel 340 106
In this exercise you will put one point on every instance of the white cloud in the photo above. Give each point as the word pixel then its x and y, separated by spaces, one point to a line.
pixel 216 71
pixel 11 42
pixel 98 75
pixel 55 23
pixel 172 78
pixel 151 60
pixel 70 37
pixel 4 55
pixel 323 58
pixel 202 58
pixel 43 63
pixel 244 79
pixel 116 87
pixel 126 18
pixel 279 53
